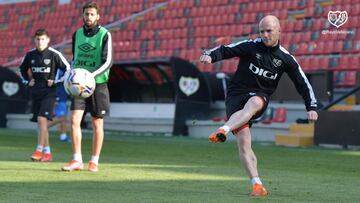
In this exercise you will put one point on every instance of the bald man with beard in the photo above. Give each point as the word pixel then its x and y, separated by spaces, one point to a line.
pixel 262 63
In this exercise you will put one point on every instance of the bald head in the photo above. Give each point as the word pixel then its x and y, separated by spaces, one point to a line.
pixel 269 28
pixel 270 20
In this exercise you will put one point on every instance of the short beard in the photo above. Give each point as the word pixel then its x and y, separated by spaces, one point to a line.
pixel 92 25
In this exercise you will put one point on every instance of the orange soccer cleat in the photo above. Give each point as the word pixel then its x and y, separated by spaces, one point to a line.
pixel 218 136
pixel 93 167
pixel 73 166
pixel 259 190
pixel 36 156
pixel 47 157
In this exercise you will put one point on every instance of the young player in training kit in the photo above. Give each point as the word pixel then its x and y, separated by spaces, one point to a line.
pixel 262 62
pixel 43 62
pixel 92 50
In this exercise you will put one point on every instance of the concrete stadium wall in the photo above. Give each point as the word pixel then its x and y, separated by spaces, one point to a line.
pixel 142 110
pixel 159 118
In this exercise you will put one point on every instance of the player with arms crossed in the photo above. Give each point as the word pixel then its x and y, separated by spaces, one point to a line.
pixel 262 62
pixel 92 50
pixel 43 62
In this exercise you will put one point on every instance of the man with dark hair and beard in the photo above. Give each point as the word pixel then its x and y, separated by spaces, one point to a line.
pixel 92 50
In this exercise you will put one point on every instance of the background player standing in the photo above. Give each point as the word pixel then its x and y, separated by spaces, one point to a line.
pixel 97 60
pixel 43 62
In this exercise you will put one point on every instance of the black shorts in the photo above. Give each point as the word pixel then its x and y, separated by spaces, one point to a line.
pixel 43 101
pixel 236 103
pixel 98 104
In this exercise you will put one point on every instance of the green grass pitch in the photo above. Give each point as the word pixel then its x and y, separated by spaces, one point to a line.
pixel 174 169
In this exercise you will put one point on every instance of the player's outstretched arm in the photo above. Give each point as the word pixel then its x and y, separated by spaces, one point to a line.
pixel 205 59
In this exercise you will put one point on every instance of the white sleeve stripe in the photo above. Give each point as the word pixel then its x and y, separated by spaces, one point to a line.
pixel 237 43
pixel 312 95
pixel 208 52
pixel 108 57
pixel 284 50
pixel 63 59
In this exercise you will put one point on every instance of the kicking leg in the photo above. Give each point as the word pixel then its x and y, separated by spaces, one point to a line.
pixel 238 119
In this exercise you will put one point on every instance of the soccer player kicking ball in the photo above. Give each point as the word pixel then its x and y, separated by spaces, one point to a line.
pixel 262 62
pixel 43 63
pixel 92 50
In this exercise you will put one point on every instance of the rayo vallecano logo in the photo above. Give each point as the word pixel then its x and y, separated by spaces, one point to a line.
pixel 189 85
pixel 47 61
pixel 277 62
pixel 337 18
pixel 10 88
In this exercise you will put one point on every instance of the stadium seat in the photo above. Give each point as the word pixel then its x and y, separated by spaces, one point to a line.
pixel 302 49
pixel 201 43
pixel 296 37
pixel 146 34
pixel 280 115
pixel 289 26
pixel 310 11
pixel 254 7
pixel 181 4
pixel 217 119
pixel 315 63
pixel 200 31
pixel 355 62
pixel 338 46
pixel 298 25
pixel 281 14
pixel 344 62
pixel 349 79
pixel 197 12
pixel 355 10
pixel 324 63
pixel 317 24
pixel 305 64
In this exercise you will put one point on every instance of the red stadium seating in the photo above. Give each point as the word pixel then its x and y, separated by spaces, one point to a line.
pixel 185 28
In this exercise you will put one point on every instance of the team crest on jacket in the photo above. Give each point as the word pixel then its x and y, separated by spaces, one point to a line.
pixel 47 61
pixel 277 62
pixel 189 85
pixel 10 88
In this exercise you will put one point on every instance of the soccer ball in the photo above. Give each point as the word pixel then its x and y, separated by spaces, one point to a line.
pixel 79 83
